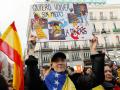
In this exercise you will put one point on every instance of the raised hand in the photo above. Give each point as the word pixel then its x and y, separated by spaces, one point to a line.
pixel 93 42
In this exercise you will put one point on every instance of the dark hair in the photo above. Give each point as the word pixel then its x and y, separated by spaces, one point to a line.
pixel 46 67
pixel 31 61
pixel 3 83
pixel 58 55
pixel 107 65
pixel 71 68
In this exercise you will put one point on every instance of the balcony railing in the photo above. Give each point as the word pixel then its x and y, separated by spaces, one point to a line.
pixel 96 32
pixel 113 18
pixel 118 45
pixel 92 19
pixel 110 46
pixel 103 18
pixel 108 32
pixel 116 30
pixel 87 62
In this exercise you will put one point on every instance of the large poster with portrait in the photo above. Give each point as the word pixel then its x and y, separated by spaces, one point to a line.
pixel 60 21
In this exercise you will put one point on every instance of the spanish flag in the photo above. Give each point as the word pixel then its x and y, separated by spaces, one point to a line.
pixel 10 45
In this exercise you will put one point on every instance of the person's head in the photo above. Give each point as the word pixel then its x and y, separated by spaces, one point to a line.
pixel 114 65
pixel 10 86
pixel 45 69
pixel 88 71
pixel 58 62
pixel 108 73
pixel 70 70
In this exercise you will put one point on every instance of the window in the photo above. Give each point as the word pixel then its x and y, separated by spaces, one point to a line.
pixel 84 54
pixel 101 15
pixel 111 15
pixel 85 43
pixel 91 15
pixel 107 41
pixel 46 45
pixel 103 25
pixel 118 39
pixel 114 24
pixel 94 27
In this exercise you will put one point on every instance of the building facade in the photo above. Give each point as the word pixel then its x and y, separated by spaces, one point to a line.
pixel 105 20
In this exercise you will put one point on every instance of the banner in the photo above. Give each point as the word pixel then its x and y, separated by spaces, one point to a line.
pixel 60 21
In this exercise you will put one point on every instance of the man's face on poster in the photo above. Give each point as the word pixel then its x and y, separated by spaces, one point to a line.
pixel 83 9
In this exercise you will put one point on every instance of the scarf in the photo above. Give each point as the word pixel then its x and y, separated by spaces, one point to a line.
pixel 58 81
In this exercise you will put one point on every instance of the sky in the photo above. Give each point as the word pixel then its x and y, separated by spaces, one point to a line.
pixel 18 11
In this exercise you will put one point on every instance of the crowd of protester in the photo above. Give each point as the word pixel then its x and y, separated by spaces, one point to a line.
pixel 59 76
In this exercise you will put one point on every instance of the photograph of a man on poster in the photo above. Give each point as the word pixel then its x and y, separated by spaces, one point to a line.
pixel 56 33
pixel 81 11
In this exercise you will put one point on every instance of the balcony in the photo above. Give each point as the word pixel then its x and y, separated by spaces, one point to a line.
pixel 117 30
pixel 118 46
pixel 44 50
pixel 87 62
pixel 45 59
pixel 86 47
pixel 110 46
pixel 93 18
pixel 76 57
pixel 100 47
pixel 96 32
pixel 103 18
pixel 108 32
pixel 113 18
pixel 105 31
pixel 63 49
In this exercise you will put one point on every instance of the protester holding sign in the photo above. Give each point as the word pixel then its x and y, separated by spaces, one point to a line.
pixel 57 78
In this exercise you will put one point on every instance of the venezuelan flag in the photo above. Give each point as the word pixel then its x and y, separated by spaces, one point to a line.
pixel 10 45
pixel 68 84
pixel 58 81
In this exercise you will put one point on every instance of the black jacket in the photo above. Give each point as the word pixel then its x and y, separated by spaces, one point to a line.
pixel 32 79
pixel 3 83
pixel 87 82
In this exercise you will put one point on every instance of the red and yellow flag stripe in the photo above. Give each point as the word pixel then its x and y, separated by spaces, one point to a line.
pixel 10 45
